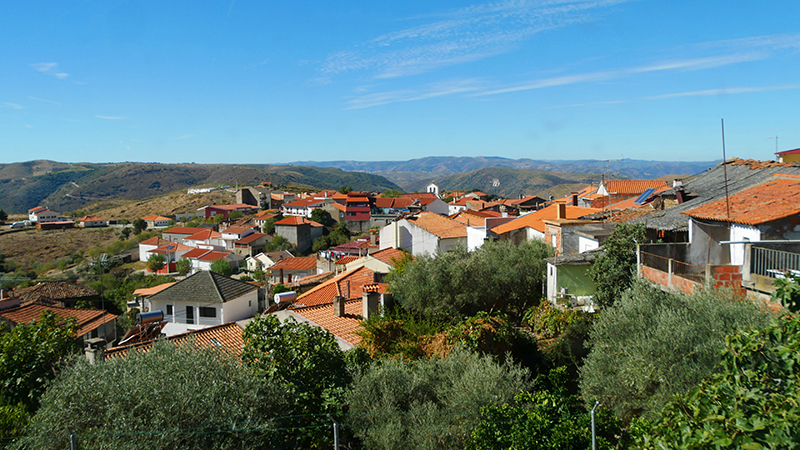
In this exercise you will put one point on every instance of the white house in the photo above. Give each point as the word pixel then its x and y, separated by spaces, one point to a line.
pixel 425 232
pixel 92 221
pixel 41 214
pixel 203 300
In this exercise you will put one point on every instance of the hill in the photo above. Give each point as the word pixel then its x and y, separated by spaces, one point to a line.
pixel 68 187
pixel 407 173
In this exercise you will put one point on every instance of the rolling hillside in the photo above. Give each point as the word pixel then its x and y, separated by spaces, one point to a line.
pixel 68 187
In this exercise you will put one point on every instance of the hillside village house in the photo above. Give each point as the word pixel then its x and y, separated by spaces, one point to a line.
pixel 92 323
pixel 178 234
pixel 226 210
pixel 300 231
pixel 92 221
pixel 156 221
pixel 289 270
pixel 532 226
pixel 202 300
pixel 41 214
pixel 304 206
pixel 423 233
pixel 263 261
pixel 259 197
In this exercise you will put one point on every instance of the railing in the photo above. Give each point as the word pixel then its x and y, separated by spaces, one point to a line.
pixel 673 266
pixel 772 263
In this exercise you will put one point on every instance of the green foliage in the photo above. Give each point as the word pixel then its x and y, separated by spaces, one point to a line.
pixel 548 418
pixel 278 288
pixel 221 267
pixel 260 275
pixel 787 291
pixel 269 225
pixel 429 403
pixel 13 420
pixel 306 361
pixel 652 345
pixel 3 216
pixel 496 278
pixel 156 262
pixel 209 400
pixel 139 225
pixel 234 215
pixel 218 218
pixel 345 189
pixel 336 237
pixel 321 216
pixel 392 193
pixel 750 403
pixel 614 270
pixel 277 244
pixel 30 355
pixel 548 321
pixel 184 266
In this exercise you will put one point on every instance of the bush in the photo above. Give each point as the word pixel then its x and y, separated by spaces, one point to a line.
pixel 652 345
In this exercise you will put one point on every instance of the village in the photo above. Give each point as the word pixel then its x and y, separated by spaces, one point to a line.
pixel 324 258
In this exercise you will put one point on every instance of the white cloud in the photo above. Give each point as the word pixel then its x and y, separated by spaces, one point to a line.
pixel 433 90
pixel 43 100
pixel 110 117
pixel 49 68
pixel 723 91
pixel 187 136
pixel 459 36
pixel 12 105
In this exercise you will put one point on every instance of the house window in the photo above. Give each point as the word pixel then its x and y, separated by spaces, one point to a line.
pixel 249 303
pixel 207 312
pixel 169 310
pixel 553 239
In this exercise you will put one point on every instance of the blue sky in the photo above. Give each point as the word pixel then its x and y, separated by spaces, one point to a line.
pixel 272 82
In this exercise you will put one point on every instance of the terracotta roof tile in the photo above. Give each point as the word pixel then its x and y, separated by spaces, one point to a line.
pixel 347 285
pixel 227 336
pixel 183 230
pixel 776 199
pixel 389 255
pixel 196 253
pixel 250 238
pixel 536 219
pixel 50 292
pixel 87 319
pixel 342 327
pixel 154 218
pixel 213 256
pixel 347 259
pixel 157 241
pixel 440 226
pixel 203 235
pixel 633 187
pixel 297 263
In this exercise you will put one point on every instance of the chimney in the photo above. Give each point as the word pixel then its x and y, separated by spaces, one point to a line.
pixel 562 211
pixel 369 304
pixel 681 196
pixel 373 239
pixel 95 349
pixel 338 306
pixel 575 200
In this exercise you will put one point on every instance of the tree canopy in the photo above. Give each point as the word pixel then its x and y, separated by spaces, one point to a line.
pixel 613 272
pixel 652 345
pixel 221 267
pixel 184 266
pixel 498 277
pixel 208 400
pixel 156 262
pixel 139 225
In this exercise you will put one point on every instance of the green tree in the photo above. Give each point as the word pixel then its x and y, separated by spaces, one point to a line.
pixel 30 355
pixel 278 243
pixel 308 363
pixel 429 403
pixel 139 225
pixel 498 277
pixel 156 262
pixel 345 189
pixel 3 216
pixel 321 216
pixel 269 225
pixel 221 267
pixel 751 402
pixel 234 215
pixel 787 291
pixel 652 345
pixel 392 193
pixel 209 400
pixel 260 275
pixel 184 266
pixel 547 418
pixel 125 234
pixel 614 270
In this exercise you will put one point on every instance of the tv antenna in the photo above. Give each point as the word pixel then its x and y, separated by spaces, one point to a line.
pixel 776 142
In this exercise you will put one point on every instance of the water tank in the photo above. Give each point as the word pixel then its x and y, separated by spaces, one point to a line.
pixel 285 297
pixel 149 317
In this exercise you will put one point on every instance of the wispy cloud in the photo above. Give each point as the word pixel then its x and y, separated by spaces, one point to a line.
pixel 433 90
pixel 187 136
pixel 45 101
pixel 49 68
pixel 110 117
pixel 12 105
pixel 723 91
pixel 463 35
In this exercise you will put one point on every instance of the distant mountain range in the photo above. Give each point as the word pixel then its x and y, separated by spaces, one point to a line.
pixel 515 176
pixel 67 187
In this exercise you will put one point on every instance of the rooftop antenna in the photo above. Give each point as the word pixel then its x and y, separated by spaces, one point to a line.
pixel 725 172
pixel 776 143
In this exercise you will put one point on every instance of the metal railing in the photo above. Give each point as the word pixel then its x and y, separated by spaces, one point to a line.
pixel 772 263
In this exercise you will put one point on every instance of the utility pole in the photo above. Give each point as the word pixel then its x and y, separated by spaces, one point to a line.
pixel 594 434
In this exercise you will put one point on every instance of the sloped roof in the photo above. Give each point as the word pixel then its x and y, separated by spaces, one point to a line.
pixel 90 219
pixel 343 327
pixel 232 207
pixel 235 230
pixel 153 218
pixel 296 221
pixel 631 202
pixel 440 226
pixel 203 235
pixel 789 152
pixel 250 238
pixel 87 319
pixel 536 219
pixel 171 248
pixel 633 187
pixel 397 203
pixel 205 287
pixel 227 336
pixel 347 285
pixel 144 292
pixel 709 186
pixel 305 202
pixel 196 253
pixel 315 279
pixel 37 209
pixel 49 292
pixel 389 255
pixel 213 256
pixel 183 230
pixel 347 259
pixel 157 241
pixel 296 263
pixel 775 199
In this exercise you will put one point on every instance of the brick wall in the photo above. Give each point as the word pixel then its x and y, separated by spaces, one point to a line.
pixel 723 277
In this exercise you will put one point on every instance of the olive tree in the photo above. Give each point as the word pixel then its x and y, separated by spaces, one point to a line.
pixel 613 272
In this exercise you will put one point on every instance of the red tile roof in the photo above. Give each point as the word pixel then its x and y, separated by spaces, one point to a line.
pixel 776 199
pixel 343 327
pixel 347 285
pixel 90 219
pixel 250 238
pixel 297 221
pixel 227 336
pixel 305 202
pixel 154 218
pixel 235 230
pixel 183 230
pixel 297 263
pixel 37 209
pixel 233 207
pixel 536 219
pixel 440 226
pixel 157 241
pixel 389 255
pixel 144 292
pixel 633 187
pixel 50 292
pixel 397 203
pixel 203 235
pixel 87 319
pixel 348 259
pixel 196 253
pixel 213 256
pixel 171 248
